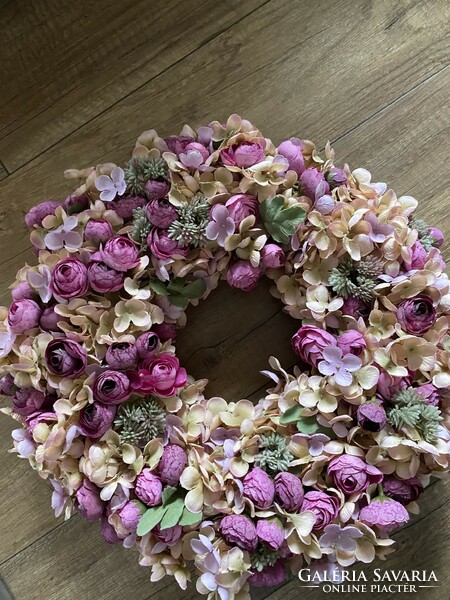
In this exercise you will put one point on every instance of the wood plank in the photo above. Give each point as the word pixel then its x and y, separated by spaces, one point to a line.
pixel 3 172
pixel 77 59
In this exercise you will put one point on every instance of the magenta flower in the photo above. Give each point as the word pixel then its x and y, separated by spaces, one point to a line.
pixel 341 367
pixel 238 530
pixel 111 185
pixel 221 224
pixel 384 513
pixel 64 236
pixel 341 538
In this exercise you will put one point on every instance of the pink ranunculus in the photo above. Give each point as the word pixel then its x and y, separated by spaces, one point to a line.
pixel 241 206
pixel 108 532
pixel 238 530
pixel 178 143
pixel 324 506
pixel 104 279
pixel 438 236
pixel 272 256
pixel 124 206
pixel 111 387
pixel 148 488
pixel 352 475
pixel 23 290
pixel 310 180
pixel 161 213
pixel 270 534
pixel 430 393
pixel 156 190
pixel 162 246
pixel 23 315
pixel 416 315
pixel 243 155
pixel 172 464
pixel 161 375
pixel 384 513
pixel 76 203
pixel 121 355
pixel 169 535
pixel 418 257
pixel 147 345
pixel 98 232
pixel 65 358
pixel 49 319
pixel 336 177
pixel 371 416
pixel 354 307
pixel 288 491
pixel 270 576
pixel 402 490
pixel 309 343
pixel 351 342
pixel 243 275
pixel 165 331
pixel 69 279
pixel 131 514
pixel 292 150
pixel 96 419
pixel 37 214
pixel 7 385
pixel 27 401
pixel 90 504
pixel 259 488
pixel 120 253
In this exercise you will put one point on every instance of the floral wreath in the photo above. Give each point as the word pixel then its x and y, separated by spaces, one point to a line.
pixel 335 456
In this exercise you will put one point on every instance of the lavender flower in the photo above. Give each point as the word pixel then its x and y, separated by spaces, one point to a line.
pixel 64 236
pixel 111 185
pixel 341 367
pixel 221 224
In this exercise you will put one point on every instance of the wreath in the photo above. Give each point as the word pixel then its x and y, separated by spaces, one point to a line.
pixel 334 457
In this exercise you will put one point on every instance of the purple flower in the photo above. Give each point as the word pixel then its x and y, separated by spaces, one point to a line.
pixel 384 513
pixel 418 257
pixel 124 206
pixel 340 538
pixel 157 189
pixel 194 156
pixel 112 185
pixel 316 442
pixel 23 315
pixel 341 367
pixel 389 386
pixel 336 177
pixel 378 232
pixel 108 532
pixel 27 401
pixel 147 345
pixel 65 358
pixel 37 214
pixel 23 291
pixel 178 143
pixel 98 232
pixel 131 514
pixel 242 206
pixel 243 275
pixel 351 342
pixel 371 416
pixel 75 204
pixel 172 464
pixel 104 279
pixel 309 343
pixel 270 534
pixel 64 236
pixel 221 224
pixel 165 331
pixel 429 393
pixel 243 155
pixel 148 488
pixel 40 280
pixel 324 507
pixel 239 531
pixel 402 490
pixel 354 307
pixel 58 497
pixel 120 253
pixel 324 204
pixel 272 256
pixel 162 246
pixel 121 355
pixel 7 339
pixel 269 576
pixel 416 315
pixel 96 419
pixel 313 181
pixel 90 505
pixel 170 535
pixel 69 279
pixel 111 387
pixel 7 385
pixel 352 475
pixel 259 488
pixel 161 213
pixel 288 491
pixel 437 235
pixel 292 150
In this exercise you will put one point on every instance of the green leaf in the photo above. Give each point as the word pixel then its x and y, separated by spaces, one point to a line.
pixel 150 519
pixel 179 301
pixel 174 510
pixel 193 290
pixel 168 492
pixel 291 415
pixel 308 425
pixel 175 286
pixel 158 287
pixel 280 222
pixel 190 518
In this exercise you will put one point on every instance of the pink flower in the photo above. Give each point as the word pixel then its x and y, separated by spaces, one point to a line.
pixel 7 385
pixel 131 514
pixel 429 393
pixel 147 344
pixel 341 367
pixel 96 419
pixel 309 343
pixel 23 315
pixel 313 180
pixel 161 213
pixel 76 203
pixel 242 206
pixel 384 513
pixel 69 279
pixel 221 224
pixel 23 291
pixel 90 505
pixel 161 375
pixel 178 143
pixel 259 488
pixel 324 507
pixel 111 387
pixel 172 464
pixel 270 534
pixel 292 150
pixel 121 355
pixel 269 576
pixel 351 342
pixel 194 155
pixel 402 490
pixel 64 236
pixel 371 416
pixel 354 307
pixel 120 253
pixel 288 491
pixel 37 214
pixel 98 232
pixel 157 189
pixel 103 279
pixel 272 256
pixel 162 246
pixel 352 475
pixel 416 315
pixel 389 386
pixel 418 257
pixel 148 488
pixel 239 531
pixel 242 155
pixel 243 275
pixel 437 235
pixel 165 331
pixel 108 532
pixel 27 401
pixel 112 185
pixel 124 206
pixel 336 177
pixel 65 358
pixel 170 535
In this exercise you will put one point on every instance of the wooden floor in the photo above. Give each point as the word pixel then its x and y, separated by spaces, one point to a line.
pixel 80 80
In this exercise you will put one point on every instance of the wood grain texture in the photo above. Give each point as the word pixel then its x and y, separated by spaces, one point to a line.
pixel 372 76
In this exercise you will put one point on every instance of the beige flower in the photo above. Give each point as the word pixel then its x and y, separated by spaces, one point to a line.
pixel 136 314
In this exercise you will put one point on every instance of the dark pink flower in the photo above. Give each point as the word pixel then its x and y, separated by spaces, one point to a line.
pixel 384 513
pixel 22 291
pixel 311 179
pixel 243 155
pixel 90 505
pixel 49 319
pixel 156 189
pixel 161 213
pixel 37 214
pixel 23 315
pixel 172 464
pixel 27 401
pixel 120 253
pixel 402 490
pixel 75 204
pixel 124 206
pixel 241 206
pixel 371 416
pixel 243 275
pixel 69 279
pixel 96 419
pixel 131 514
pixel 272 256
pixel 354 307
pixel 98 232
pixel 269 576
pixel 104 279
pixel 165 331
pixel 270 534
pixel 352 475
pixel 418 257
pixel 351 342
pixel 111 387
pixel 437 235
pixel 417 315
pixel 336 177
pixel 178 143
pixel 162 246
pixel 309 343
pixel 7 385
pixel 148 488
pixel 324 507
pixel 288 491
pixel 121 355
pixel 147 345
pixel 161 375
pixel 239 531
pixel 389 386
pixel 170 535
pixel 108 532
pixel 429 393
pixel 292 150
pixel 65 358
pixel 259 488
